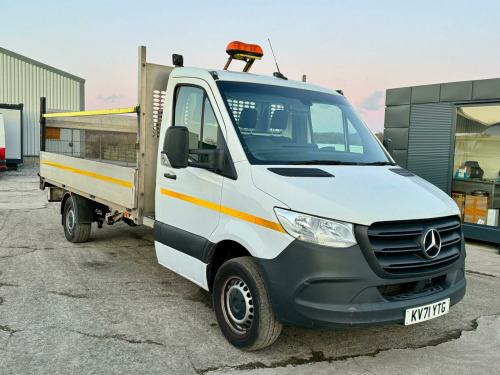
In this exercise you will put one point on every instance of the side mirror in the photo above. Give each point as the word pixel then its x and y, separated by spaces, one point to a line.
pixel 177 146
pixel 388 145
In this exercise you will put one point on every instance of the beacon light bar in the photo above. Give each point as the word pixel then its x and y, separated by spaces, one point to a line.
pixel 245 52
pixel 235 48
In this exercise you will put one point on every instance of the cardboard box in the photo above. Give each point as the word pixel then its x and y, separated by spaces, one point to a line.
pixel 476 209
pixel 465 169
pixel 459 198
pixel 462 172
pixel 492 218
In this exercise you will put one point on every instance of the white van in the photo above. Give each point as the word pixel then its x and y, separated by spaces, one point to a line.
pixel 3 166
pixel 273 195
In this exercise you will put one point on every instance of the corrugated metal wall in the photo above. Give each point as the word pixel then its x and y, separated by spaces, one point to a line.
pixel 429 142
pixel 24 81
pixel 426 115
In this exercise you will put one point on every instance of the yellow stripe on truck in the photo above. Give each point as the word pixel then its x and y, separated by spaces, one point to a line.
pixel 89 174
pixel 225 210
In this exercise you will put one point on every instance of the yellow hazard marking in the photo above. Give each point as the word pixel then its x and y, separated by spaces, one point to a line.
pixel 225 210
pixel 89 174
pixel 93 113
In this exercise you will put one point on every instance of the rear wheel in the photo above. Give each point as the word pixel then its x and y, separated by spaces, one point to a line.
pixel 242 306
pixel 74 232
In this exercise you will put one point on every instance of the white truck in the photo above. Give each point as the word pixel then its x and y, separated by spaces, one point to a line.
pixel 270 193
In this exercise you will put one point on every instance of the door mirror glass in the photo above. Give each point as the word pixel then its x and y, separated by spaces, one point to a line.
pixel 177 146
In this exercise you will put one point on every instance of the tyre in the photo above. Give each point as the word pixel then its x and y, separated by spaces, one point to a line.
pixel 74 232
pixel 242 306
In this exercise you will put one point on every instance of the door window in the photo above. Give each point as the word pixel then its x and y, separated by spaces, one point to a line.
pixel 193 110
pixel 328 126
pixel 354 139
pixel 210 127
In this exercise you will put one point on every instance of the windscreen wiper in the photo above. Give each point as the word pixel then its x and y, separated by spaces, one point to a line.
pixel 379 163
pixel 323 162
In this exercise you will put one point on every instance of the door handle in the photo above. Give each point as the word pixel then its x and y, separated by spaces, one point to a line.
pixel 170 175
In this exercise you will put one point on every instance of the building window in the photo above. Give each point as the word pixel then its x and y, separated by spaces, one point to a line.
pixel 476 169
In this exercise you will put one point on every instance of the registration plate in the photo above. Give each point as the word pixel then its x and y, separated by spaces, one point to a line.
pixel 427 312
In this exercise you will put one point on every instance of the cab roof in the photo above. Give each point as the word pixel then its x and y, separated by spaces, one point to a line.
pixel 226 75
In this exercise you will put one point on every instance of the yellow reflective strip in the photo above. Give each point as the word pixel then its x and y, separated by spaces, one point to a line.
pixel 225 210
pixel 252 219
pixel 89 174
pixel 93 113
pixel 187 198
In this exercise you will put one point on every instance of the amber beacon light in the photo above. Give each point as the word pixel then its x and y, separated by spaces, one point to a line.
pixel 245 52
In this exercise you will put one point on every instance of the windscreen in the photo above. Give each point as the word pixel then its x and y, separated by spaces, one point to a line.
pixel 283 125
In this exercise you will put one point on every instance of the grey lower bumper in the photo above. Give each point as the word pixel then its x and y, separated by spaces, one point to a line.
pixel 317 287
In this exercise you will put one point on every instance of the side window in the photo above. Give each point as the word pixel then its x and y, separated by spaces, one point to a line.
pixel 210 127
pixel 193 110
pixel 354 139
pixel 328 126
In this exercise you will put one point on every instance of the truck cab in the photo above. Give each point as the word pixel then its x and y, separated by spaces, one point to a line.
pixel 265 179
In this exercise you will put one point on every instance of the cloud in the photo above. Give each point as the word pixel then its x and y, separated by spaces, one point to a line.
pixel 111 98
pixel 372 102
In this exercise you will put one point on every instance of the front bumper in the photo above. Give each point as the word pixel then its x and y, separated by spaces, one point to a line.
pixel 313 286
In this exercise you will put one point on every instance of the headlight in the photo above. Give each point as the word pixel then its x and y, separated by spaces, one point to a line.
pixel 315 229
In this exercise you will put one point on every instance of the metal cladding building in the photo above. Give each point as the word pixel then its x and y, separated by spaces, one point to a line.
pixel 449 134
pixel 24 81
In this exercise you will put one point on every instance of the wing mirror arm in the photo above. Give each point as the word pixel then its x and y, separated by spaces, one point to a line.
pixel 388 145
pixel 214 162
pixel 176 152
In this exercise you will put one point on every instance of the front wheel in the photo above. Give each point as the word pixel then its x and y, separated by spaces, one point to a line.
pixel 74 232
pixel 242 306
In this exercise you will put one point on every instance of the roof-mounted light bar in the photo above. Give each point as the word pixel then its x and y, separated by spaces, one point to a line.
pixel 245 52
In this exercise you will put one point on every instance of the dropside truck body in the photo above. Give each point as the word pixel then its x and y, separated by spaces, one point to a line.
pixel 272 194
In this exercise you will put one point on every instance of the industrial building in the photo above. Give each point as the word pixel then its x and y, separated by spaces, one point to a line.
pixel 449 134
pixel 23 81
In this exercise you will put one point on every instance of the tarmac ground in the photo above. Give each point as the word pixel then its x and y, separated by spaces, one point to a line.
pixel 108 307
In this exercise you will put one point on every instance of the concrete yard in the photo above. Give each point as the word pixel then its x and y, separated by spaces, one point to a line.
pixel 107 307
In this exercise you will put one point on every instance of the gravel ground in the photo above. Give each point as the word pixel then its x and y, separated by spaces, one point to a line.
pixel 106 307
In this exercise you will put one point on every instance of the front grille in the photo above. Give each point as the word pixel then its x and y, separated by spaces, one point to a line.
pixel 397 246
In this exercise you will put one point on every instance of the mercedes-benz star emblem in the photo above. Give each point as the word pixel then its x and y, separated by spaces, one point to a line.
pixel 431 244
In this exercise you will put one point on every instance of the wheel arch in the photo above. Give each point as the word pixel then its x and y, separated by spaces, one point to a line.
pixel 221 253
pixel 84 208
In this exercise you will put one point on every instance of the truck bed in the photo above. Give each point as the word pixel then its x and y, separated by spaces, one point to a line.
pixel 112 184
pixel 104 155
